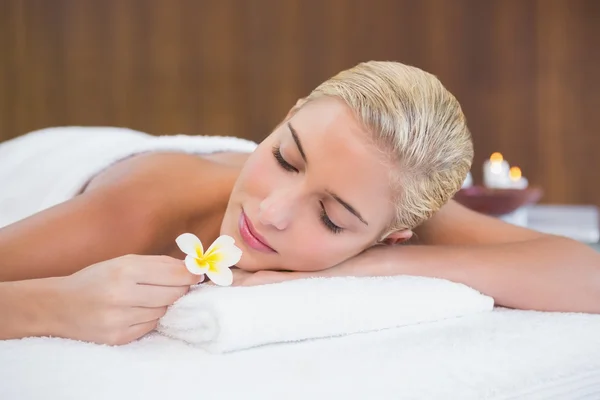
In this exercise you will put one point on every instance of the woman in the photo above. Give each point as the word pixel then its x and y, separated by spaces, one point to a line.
pixel 369 157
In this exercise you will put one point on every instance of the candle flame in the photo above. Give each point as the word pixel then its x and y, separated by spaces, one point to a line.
pixel 515 173
pixel 496 157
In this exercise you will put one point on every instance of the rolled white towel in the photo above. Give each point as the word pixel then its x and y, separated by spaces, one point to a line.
pixel 224 319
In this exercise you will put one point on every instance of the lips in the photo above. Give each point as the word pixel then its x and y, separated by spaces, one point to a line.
pixel 251 237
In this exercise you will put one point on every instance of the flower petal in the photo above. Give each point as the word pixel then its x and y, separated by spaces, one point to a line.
pixel 195 266
pixel 222 241
pixel 227 257
pixel 223 252
pixel 220 276
pixel 189 244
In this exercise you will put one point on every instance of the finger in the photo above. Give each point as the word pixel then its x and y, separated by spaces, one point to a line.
pixel 137 331
pixel 147 314
pixel 156 296
pixel 164 271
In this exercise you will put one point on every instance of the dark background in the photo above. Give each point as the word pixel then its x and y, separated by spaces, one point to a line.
pixel 525 71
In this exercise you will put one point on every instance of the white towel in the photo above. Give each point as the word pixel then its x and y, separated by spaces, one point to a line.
pixel 49 166
pixel 223 319
pixel 497 355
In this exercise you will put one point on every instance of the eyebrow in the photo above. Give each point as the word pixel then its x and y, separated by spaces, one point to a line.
pixel 297 140
pixel 348 207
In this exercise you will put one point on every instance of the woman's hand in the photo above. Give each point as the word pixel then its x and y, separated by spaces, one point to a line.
pixel 119 300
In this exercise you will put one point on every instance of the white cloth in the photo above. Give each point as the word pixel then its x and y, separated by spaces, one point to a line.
pixel 49 166
pixel 498 355
pixel 222 319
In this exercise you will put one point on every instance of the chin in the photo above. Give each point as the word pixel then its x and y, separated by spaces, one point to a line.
pixel 246 263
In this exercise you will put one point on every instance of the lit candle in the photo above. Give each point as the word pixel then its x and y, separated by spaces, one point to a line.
pixel 517 180
pixel 495 172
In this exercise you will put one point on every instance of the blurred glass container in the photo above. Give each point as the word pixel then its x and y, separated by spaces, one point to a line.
pixel 497 202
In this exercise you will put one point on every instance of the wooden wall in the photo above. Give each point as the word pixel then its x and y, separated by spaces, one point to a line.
pixel 526 71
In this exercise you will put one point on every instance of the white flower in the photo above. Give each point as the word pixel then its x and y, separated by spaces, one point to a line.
pixel 215 262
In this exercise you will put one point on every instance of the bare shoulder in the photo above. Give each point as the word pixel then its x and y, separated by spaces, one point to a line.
pixel 174 183
pixel 166 170
pixel 174 188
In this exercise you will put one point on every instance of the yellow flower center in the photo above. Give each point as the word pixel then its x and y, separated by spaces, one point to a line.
pixel 199 252
pixel 209 259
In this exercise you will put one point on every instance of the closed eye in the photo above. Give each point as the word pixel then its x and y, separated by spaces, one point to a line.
pixel 327 222
pixel 281 161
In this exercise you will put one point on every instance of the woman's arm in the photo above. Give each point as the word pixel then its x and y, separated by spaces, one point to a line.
pixel 26 308
pixel 518 267
pixel 92 227
pixel 545 274
pixel 112 302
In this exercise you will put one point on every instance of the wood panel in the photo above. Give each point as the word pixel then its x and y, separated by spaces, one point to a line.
pixel 525 71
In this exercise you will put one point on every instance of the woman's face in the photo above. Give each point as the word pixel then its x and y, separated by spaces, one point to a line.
pixel 313 194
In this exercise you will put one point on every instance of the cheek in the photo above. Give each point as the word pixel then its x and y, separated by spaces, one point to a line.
pixel 258 175
pixel 315 249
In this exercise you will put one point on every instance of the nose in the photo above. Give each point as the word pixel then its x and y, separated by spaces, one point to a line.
pixel 278 208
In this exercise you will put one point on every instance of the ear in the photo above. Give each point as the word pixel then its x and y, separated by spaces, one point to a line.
pixel 397 237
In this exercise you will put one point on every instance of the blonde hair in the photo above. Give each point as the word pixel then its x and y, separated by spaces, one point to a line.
pixel 418 124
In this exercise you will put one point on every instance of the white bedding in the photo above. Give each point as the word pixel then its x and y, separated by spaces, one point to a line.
pixel 498 355
pixel 502 354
